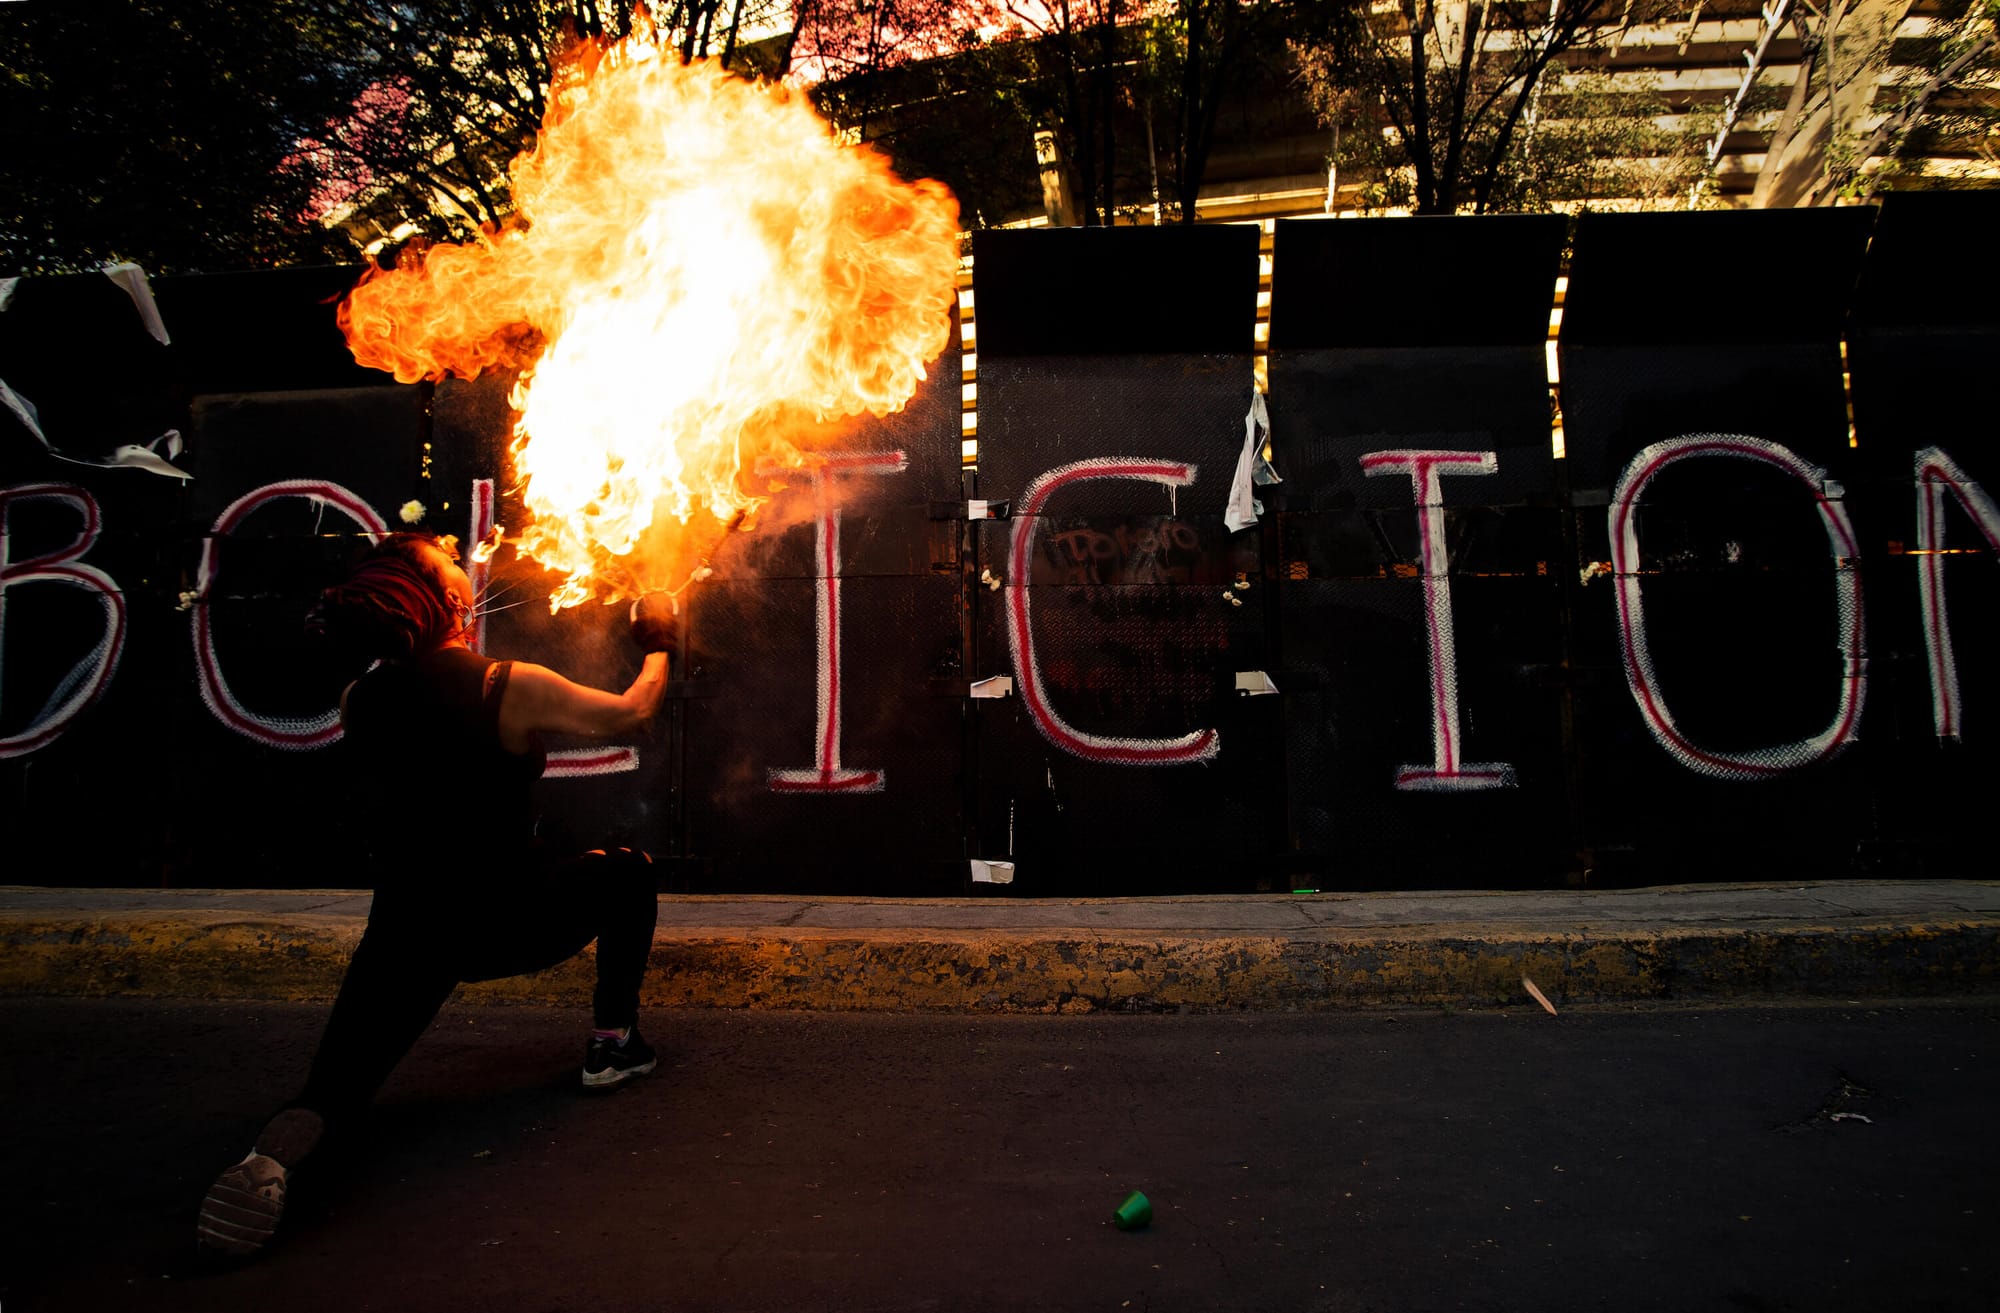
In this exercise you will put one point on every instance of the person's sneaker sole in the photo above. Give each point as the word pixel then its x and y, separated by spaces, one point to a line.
pixel 604 1080
pixel 241 1212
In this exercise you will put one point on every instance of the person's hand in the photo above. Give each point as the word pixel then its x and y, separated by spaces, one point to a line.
pixel 656 623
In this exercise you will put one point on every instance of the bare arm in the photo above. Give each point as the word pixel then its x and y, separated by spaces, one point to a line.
pixel 538 700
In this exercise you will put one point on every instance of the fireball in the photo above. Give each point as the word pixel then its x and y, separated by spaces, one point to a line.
pixel 698 279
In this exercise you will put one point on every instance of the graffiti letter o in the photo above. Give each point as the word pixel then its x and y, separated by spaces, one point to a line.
pixel 296 733
pixel 1761 763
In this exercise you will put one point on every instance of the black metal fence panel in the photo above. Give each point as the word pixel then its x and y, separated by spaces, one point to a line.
pixel 825 740
pixel 1719 636
pixel 286 486
pixel 1921 343
pixel 1420 544
pixel 1114 380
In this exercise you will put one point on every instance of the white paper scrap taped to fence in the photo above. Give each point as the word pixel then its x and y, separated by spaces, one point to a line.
pixel 992 872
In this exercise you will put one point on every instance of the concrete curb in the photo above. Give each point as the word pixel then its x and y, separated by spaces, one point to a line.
pixel 198 946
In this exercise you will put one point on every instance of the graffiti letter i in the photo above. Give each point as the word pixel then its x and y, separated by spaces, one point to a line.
pixel 1446 773
pixel 569 763
pixel 829 776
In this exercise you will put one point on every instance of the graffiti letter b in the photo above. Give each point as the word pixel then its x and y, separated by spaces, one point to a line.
pixel 86 680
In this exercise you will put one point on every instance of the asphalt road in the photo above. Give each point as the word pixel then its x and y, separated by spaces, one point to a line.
pixel 1800 1157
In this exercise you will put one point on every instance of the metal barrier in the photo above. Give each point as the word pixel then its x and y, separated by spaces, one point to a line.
pixel 1728 633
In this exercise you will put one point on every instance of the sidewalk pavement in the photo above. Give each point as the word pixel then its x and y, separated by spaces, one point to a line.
pixel 1684 943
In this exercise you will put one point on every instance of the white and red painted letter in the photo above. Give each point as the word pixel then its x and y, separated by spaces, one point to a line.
pixel 1202 744
pixel 296 733
pixel 567 763
pixel 1937 475
pixel 1446 773
pixel 86 680
pixel 478 559
pixel 1760 763
pixel 829 775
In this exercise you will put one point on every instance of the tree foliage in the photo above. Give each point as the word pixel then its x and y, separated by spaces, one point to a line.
pixel 229 134
pixel 161 132
pixel 1073 57
pixel 1199 55
pixel 1593 138
pixel 1442 97
pixel 443 94
pixel 1843 58
pixel 962 118
pixel 1956 110
pixel 1126 97
pixel 832 41
pixel 880 69
pixel 1849 128
pixel 447 93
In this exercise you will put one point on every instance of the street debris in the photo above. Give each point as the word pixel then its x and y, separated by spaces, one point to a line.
pixel 1134 1213
pixel 1538 996
pixel 1835 1107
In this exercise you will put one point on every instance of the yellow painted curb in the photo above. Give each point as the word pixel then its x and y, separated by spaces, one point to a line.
pixel 237 957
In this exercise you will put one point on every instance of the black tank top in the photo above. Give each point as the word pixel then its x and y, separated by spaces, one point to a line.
pixel 444 804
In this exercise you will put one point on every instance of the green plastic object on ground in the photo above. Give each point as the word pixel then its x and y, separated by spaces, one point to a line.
pixel 1135 1212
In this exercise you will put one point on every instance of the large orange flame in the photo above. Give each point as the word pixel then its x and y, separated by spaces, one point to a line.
pixel 699 274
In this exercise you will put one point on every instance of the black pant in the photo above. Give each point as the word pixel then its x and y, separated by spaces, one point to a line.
pixel 413 954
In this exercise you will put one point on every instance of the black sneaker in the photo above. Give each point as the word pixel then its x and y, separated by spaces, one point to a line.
pixel 606 1062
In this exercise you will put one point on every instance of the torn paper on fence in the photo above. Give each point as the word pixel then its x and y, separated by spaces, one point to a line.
pixel 24 408
pixel 132 456
pixel 1255 683
pixel 1251 468
pixel 994 872
pixel 133 279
